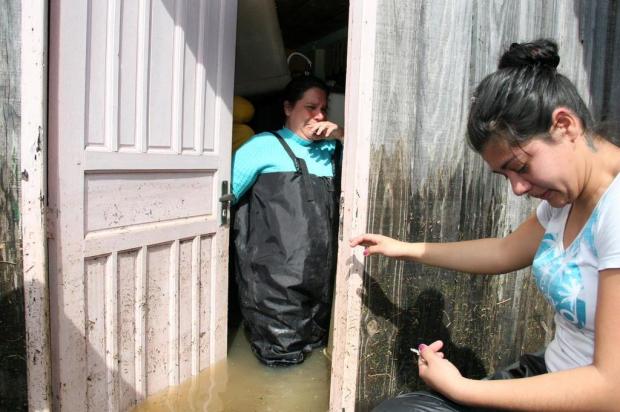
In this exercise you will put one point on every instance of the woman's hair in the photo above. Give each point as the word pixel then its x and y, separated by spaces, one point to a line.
pixel 296 88
pixel 516 102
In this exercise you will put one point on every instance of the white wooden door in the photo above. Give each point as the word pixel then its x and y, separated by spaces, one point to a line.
pixel 140 102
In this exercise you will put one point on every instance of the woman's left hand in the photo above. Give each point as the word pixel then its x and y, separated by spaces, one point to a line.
pixel 325 130
pixel 439 373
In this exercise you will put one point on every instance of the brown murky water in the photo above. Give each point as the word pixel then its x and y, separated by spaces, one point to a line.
pixel 242 384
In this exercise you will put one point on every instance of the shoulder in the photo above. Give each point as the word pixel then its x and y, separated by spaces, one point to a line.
pixel 257 141
pixel 606 226
pixel 610 203
pixel 255 146
pixel 545 213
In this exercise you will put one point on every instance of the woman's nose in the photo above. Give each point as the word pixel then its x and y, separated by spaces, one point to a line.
pixel 319 116
pixel 520 186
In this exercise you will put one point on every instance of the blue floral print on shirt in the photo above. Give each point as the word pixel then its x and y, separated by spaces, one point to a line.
pixel 558 276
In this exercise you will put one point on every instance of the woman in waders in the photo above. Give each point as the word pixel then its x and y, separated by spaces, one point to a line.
pixel 286 195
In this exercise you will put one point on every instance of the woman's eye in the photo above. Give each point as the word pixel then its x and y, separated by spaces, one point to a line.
pixel 522 169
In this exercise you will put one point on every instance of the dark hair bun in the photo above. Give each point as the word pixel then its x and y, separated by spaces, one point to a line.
pixel 540 53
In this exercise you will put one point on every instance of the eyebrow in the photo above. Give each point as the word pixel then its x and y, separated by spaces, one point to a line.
pixel 316 104
pixel 504 165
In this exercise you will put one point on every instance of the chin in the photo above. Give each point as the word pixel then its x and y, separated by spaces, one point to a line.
pixel 558 203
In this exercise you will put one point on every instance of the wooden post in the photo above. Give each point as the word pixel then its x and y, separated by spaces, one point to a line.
pixel 34 200
pixel 353 213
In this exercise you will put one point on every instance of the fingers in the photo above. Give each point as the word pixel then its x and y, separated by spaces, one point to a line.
pixel 431 352
pixel 366 239
pixel 435 346
pixel 369 241
pixel 323 127
pixel 321 130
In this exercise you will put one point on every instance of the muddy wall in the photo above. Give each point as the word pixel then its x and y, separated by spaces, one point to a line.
pixel 427 185
pixel 13 392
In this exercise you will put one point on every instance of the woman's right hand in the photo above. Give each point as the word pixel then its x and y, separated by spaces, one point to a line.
pixel 383 245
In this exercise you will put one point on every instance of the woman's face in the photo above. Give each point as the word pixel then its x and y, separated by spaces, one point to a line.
pixel 311 108
pixel 544 169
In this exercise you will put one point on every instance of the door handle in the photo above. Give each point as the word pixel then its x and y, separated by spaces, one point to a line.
pixel 226 200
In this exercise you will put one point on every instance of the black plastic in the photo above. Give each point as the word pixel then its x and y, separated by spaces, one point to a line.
pixel 285 260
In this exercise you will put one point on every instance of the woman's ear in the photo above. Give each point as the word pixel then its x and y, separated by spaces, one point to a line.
pixel 565 124
pixel 287 108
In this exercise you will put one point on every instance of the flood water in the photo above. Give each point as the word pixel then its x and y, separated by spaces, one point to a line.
pixel 242 384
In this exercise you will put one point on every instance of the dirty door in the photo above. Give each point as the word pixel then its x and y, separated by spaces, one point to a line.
pixel 140 95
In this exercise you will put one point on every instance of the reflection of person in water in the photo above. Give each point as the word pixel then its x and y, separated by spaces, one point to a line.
pixel 285 229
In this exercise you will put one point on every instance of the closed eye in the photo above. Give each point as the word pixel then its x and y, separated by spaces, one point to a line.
pixel 523 169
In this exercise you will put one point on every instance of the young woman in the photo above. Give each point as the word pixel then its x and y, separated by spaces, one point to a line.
pixel 529 124
pixel 285 227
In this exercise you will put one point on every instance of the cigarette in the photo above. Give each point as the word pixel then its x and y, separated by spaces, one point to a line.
pixel 417 352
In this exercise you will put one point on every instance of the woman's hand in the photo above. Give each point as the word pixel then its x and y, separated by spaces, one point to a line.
pixel 439 373
pixel 383 245
pixel 325 130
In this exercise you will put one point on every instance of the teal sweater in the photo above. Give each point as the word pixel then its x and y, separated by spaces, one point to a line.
pixel 264 154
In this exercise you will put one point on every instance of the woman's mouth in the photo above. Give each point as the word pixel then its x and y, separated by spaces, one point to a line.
pixel 542 196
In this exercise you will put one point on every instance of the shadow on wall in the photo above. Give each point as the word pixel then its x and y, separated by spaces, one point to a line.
pixel 423 322
pixel 13 385
pixel 106 386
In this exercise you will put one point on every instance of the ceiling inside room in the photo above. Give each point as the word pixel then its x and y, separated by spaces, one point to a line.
pixel 305 21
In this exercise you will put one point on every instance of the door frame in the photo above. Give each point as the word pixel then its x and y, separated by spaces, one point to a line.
pixel 347 303
pixel 33 158
pixel 354 203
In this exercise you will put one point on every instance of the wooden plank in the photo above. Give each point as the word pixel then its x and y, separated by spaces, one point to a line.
pixel 173 314
pixel 158 332
pixel 127 326
pixel 69 106
pixel 34 31
pixel 13 393
pixel 96 380
pixel 185 308
pixel 137 236
pixel 359 104
pixel 140 319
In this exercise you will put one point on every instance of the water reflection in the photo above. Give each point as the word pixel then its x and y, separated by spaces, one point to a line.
pixel 242 384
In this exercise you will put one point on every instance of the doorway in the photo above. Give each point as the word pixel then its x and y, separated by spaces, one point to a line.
pixel 277 41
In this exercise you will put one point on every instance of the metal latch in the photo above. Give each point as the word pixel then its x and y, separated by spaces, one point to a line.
pixel 226 200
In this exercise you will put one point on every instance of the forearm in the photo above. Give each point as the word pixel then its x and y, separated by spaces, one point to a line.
pixel 488 256
pixel 581 389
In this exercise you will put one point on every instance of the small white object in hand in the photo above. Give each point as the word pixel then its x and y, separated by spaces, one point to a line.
pixel 417 352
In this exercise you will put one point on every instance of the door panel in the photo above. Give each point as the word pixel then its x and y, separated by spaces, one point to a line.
pixel 140 132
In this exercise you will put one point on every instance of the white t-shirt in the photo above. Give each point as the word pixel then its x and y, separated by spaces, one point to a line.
pixel 569 277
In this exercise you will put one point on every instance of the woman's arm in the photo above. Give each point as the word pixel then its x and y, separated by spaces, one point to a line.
pixel 591 388
pixel 490 256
